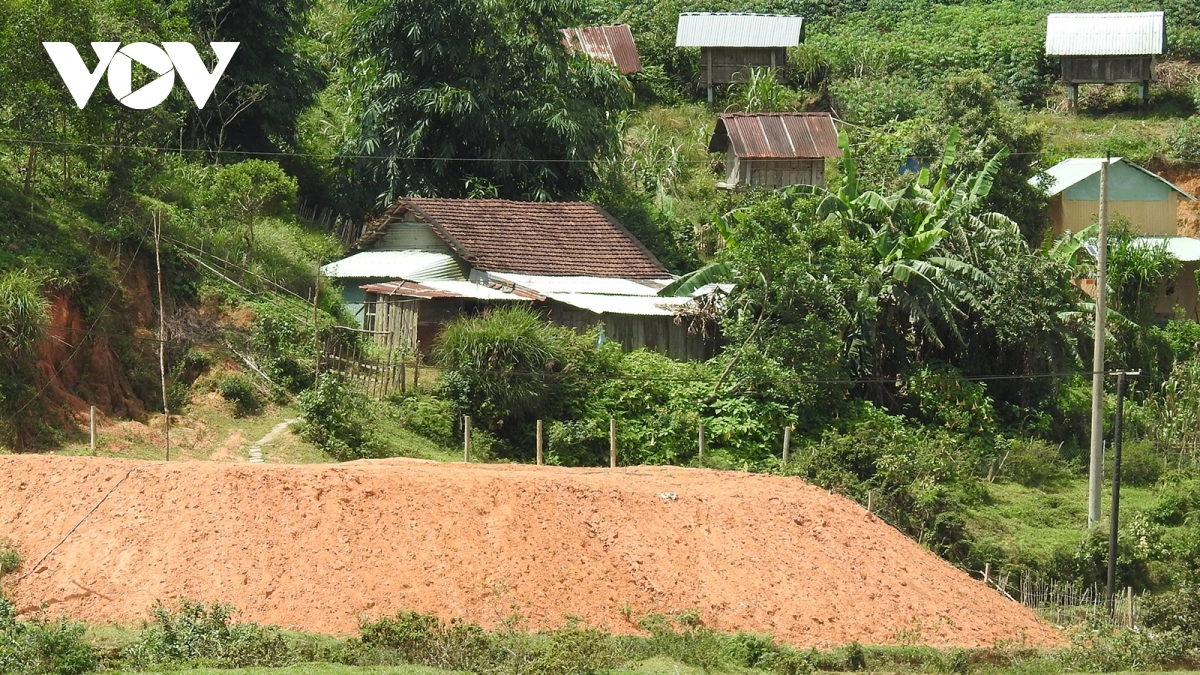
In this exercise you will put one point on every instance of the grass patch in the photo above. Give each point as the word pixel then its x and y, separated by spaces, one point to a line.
pixel 1136 136
pixel 1033 524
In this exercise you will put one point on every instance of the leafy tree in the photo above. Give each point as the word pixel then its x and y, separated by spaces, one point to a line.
pixel 487 90
pixel 271 80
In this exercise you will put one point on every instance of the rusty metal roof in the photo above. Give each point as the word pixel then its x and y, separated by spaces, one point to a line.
pixel 613 44
pixel 1106 34
pixel 776 135
pixel 731 29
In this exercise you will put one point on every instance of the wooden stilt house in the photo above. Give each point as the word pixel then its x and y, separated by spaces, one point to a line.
pixel 1106 48
pixel 731 43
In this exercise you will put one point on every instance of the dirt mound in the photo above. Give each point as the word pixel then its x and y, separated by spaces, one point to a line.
pixel 313 547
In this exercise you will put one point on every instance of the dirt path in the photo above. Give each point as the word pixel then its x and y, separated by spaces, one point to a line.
pixel 315 547
pixel 255 452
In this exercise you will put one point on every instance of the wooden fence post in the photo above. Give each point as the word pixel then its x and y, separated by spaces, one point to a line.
pixel 612 442
pixel 787 442
pixel 701 444
pixel 870 501
pixel 987 572
pixel 539 442
pixel 466 438
pixel 92 425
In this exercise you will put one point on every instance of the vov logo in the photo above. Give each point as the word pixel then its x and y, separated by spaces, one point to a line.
pixel 166 61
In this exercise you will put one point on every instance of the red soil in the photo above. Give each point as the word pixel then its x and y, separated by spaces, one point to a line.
pixel 314 547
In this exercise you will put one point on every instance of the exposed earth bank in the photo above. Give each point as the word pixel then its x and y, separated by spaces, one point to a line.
pixel 315 547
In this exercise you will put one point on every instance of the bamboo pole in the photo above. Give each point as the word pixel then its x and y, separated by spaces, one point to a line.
pixel 162 336
pixel 539 443
pixel 466 438
pixel 612 442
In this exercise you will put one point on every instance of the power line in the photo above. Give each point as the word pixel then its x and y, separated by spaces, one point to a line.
pixel 401 158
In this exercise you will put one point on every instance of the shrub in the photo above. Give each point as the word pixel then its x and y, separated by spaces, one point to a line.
pixel 1175 610
pixel 1034 463
pixel 1185 142
pixel 1141 464
pixel 195 634
pixel 10 557
pixel 430 416
pixel 238 390
pixel 339 419
pixel 43 647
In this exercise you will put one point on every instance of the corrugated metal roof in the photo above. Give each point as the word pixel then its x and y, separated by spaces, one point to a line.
pixel 777 135
pixel 1071 171
pixel 1184 249
pixel 578 284
pixel 414 265
pixel 1111 34
pixel 613 44
pixel 727 29
pixel 436 288
pixel 638 305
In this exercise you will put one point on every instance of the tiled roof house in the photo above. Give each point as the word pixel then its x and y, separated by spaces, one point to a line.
pixel 458 256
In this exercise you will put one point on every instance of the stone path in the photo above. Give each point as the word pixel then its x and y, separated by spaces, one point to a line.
pixel 256 449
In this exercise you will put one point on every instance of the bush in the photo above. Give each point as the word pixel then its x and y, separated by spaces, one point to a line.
pixel 194 634
pixel 430 416
pixel 1175 610
pixel 1185 142
pixel 10 557
pixel 339 419
pixel 1034 463
pixel 43 647
pixel 1141 464
pixel 238 390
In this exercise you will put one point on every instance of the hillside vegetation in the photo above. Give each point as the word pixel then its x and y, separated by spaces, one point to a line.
pixel 916 329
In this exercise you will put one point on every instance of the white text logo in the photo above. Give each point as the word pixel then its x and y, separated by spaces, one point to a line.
pixel 166 61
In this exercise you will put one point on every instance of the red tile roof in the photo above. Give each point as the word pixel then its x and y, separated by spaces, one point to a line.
pixel 538 238
pixel 613 44
pixel 776 135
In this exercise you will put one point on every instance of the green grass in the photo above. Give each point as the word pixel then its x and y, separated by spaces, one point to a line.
pixel 1137 136
pixel 1032 524
pixel 306 669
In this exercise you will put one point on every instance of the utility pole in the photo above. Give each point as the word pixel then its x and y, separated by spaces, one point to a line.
pixel 1113 519
pixel 1096 465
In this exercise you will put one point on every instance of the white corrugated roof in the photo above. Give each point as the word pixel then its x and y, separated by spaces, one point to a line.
pixel 468 289
pixel 726 29
pixel 640 305
pixel 1112 34
pixel 1071 171
pixel 1184 249
pixel 410 265
pixel 544 285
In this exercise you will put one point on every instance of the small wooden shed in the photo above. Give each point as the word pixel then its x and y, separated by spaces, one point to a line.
pixel 1148 201
pixel 732 43
pixel 1106 48
pixel 611 44
pixel 773 150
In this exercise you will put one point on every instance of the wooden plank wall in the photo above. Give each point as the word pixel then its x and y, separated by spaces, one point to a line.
pixel 1107 69
pixel 729 64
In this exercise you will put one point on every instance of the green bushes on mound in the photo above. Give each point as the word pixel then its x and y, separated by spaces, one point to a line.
pixel 198 635
pixel 40 646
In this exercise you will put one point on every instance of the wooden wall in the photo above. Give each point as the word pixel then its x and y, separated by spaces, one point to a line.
pixel 725 65
pixel 656 333
pixel 1149 218
pixel 1106 69
pixel 1183 293
pixel 773 173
